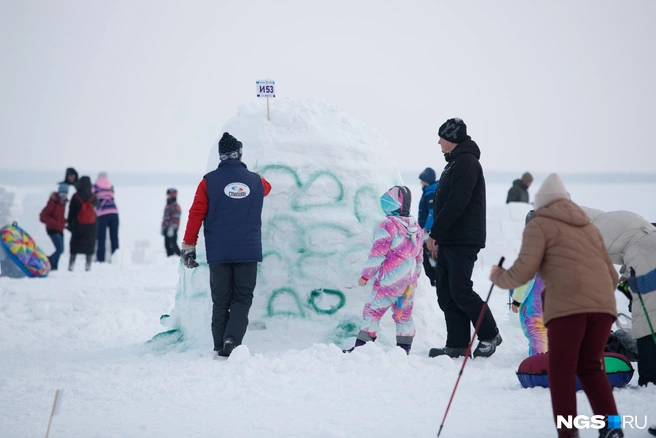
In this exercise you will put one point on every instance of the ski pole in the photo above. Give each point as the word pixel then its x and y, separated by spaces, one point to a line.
pixel 644 308
pixel 478 325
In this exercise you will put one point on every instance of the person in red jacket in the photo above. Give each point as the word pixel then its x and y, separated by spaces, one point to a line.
pixel 53 216
pixel 228 203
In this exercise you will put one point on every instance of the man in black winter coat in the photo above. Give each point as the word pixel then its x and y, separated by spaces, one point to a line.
pixel 519 190
pixel 457 235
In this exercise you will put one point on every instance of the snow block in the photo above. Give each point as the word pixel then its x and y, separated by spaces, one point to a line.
pixel 534 370
pixel 327 172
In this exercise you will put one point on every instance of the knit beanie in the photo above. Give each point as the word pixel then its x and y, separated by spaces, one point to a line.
pixel 428 176
pixel 552 188
pixel 63 188
pixel 102 175
pixel 229 147
pixel 453 130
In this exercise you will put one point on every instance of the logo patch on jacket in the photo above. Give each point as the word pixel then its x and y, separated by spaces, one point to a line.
pixel 237 190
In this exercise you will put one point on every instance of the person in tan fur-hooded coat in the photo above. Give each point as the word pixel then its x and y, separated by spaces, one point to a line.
pixel 569 253
pixel 631 242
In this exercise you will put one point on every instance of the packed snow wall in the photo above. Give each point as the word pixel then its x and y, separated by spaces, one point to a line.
pixel 327 172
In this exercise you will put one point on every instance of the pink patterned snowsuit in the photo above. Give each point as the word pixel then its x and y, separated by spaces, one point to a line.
pixel 394 265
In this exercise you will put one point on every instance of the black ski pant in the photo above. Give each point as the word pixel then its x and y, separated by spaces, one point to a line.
pixel 171 245
pixel 456 296
pixel 646 360
pixel 232 286
pixel 430 270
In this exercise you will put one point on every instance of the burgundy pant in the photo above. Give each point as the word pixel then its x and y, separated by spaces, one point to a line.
pixel 576 348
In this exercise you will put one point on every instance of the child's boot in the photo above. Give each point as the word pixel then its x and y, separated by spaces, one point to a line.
pixel 404 342
pixel 363 338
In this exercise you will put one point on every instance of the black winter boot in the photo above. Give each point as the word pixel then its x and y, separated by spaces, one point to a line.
pixel 71 262
pixel 487 348
pixel 448 351
pixel 607 432
pixel 228 345
pixel 87 265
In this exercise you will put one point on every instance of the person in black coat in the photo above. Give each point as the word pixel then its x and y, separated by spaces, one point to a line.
pixel 71 177
pixel 519 190
pixel 82 222
pixel 456 236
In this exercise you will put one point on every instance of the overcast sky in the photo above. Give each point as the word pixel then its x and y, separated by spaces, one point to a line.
pixel 147 85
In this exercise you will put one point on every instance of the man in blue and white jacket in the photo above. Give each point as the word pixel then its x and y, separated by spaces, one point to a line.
pixel 427 178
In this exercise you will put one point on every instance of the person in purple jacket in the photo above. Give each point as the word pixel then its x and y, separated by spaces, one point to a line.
pixel 107 215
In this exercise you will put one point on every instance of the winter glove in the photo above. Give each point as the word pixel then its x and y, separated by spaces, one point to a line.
pixel 188 256
pixel 170 232
pixel 624 288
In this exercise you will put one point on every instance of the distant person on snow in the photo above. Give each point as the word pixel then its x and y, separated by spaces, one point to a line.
pixel 228 203
pixel 171 223
pixel 394 265
pixel 82 223
pixel 429 184
pixel 459 229
pixel 53 215
pixel 107 215
pixel 579 299
pixel 519 190
pixel 631 242
pixel 527 301
pixel 71 177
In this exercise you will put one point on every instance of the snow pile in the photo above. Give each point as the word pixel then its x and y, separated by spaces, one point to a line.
pixel 327 171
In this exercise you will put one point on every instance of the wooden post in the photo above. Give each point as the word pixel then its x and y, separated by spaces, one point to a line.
pixel 268 112
pixel 52 413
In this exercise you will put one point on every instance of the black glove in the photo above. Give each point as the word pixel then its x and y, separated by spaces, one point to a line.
pixel 624 288
pixel 188 256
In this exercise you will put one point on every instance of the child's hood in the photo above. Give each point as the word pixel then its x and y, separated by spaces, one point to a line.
pixel 406 226
pixel 57 198
pixel 103 183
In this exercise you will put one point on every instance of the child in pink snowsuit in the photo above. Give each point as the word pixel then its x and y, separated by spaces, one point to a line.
pixel 394 265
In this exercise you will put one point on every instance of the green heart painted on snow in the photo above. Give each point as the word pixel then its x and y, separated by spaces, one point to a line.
pixel 318 292
pixel 299 201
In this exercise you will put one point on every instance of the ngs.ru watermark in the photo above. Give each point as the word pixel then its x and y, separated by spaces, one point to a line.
pixel 599 421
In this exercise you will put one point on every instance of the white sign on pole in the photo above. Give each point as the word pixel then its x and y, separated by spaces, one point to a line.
pixel 265 88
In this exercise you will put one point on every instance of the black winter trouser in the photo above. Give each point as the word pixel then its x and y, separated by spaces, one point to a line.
pixel 232 286
pixel 171 245
pixel 646 360
pixel 456 296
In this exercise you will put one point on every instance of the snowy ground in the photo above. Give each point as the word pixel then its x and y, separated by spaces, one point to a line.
pixel 86 332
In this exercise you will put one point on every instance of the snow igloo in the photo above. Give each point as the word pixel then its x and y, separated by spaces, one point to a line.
pixel 327 171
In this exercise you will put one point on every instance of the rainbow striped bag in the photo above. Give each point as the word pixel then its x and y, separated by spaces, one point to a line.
pixel 23 251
